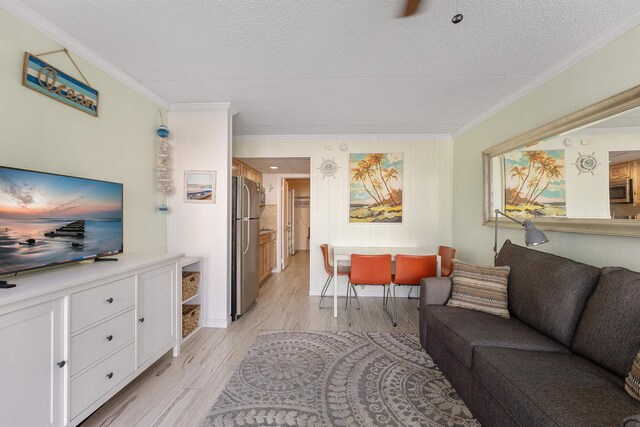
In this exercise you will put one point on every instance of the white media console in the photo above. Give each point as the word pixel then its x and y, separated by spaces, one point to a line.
pixel 73 336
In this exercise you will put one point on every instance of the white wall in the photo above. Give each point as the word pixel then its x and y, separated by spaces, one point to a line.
pixel 608 71
pixel 201 141
pixel 40 133
pixel 270 182
pixel 427 191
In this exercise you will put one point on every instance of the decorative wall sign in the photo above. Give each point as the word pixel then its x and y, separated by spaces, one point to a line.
pixel 56 84
pixel 375 192
pixel 200 186
pixel 328 167
pixel 586 163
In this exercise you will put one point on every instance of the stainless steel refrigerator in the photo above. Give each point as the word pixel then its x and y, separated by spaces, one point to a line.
pixel 245 213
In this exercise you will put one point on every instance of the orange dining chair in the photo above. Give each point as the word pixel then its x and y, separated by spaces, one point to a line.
pixel 342 271
pixel 370 270
pixel 411 269
pixel 446 260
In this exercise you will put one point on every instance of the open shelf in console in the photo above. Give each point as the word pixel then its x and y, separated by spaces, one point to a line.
pixel 193 298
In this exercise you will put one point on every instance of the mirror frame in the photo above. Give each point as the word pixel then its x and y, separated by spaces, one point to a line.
pixel 611 106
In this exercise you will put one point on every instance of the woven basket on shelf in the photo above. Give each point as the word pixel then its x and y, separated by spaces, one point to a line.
pixel 190 283
pixel 190 318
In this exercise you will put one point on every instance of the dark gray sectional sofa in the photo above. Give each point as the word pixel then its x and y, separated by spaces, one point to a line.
pixel 562 357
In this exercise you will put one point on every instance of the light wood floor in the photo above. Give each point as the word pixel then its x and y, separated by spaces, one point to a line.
pixel 180 391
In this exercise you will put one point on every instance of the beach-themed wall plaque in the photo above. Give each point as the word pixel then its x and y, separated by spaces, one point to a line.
pixel 200 186
pixel 54 83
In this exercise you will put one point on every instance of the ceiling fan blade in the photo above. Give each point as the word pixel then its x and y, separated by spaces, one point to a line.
pixel 412 7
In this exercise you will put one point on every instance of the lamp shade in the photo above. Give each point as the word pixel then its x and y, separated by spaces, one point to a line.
pixel 533 236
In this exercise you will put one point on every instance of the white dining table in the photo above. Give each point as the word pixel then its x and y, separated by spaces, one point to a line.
pixel 343 253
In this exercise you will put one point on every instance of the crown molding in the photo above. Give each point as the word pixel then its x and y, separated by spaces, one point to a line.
pixel 344 137
pixel 46 27
pixel 596 43
pixel 203 106
pixel 606 131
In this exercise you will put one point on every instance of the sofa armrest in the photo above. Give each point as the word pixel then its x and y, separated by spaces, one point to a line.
pixel 632 421
pixel 435 290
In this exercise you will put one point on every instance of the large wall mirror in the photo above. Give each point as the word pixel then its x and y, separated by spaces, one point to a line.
pixel 580 173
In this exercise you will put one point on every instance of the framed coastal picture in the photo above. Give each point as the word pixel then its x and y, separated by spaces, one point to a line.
pixel 200 186
pixel 534 184
pixel 375 189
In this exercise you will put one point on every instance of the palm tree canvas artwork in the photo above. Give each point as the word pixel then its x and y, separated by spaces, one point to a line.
pixel 375 193
pixel 534 184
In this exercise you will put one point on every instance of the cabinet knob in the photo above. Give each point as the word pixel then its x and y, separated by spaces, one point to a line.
pixel 110 375
pixel 61 364
pixel 110 337
pixel 109 300
pixel 141 320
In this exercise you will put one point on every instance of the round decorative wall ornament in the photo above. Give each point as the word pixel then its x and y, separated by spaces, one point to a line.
pixel 344 146
pixel 586 163
pixel 328 167
pixel 162 131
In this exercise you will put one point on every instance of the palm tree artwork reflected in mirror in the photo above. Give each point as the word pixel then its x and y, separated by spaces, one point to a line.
pixel 534 184
pixel 375 193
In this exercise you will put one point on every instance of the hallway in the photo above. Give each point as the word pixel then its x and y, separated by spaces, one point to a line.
pixel 180 391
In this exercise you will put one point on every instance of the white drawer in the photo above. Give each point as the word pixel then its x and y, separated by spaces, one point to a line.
pixel 95 343
pixel 93 305
pixel 93 384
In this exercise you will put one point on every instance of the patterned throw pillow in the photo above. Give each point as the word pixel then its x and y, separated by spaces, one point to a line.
pixel 632 383
pixel 480 288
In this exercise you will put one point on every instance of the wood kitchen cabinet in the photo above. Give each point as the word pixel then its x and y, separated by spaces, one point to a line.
pixel 272 251
pixel 620 171
pixel 239 168
pixel 263 257
pixel 236 167
pixel 267 257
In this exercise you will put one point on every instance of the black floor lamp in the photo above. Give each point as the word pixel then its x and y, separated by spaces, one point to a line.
pixel 532 236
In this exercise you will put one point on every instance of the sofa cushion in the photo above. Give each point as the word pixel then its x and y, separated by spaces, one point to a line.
pixel 609 331
pixel 461 330
pixel 480 288
pixel 546 291
pixel 553 389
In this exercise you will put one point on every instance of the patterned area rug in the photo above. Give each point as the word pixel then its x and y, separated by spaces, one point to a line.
pixel 302 378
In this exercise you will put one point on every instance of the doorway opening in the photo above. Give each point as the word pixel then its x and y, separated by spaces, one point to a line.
pixel 296 217
pixel 283 214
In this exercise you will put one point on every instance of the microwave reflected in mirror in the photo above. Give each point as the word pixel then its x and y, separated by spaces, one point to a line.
pixel 624 178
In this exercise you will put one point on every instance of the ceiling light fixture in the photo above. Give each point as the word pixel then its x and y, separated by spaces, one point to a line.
pixel 273 167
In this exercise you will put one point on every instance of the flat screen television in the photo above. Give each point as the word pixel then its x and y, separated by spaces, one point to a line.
pixel 48 219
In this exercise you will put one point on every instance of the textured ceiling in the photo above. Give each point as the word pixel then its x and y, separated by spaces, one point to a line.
pixel 335 66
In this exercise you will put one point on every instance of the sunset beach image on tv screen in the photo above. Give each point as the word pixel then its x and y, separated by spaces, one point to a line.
pixel 50 219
